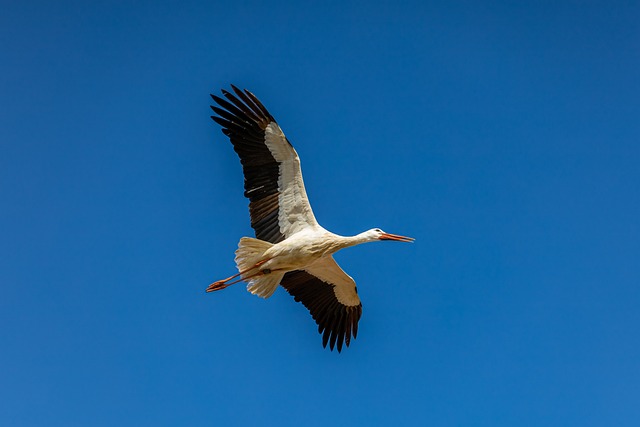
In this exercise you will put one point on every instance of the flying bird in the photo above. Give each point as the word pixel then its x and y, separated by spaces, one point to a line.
pixel 290 249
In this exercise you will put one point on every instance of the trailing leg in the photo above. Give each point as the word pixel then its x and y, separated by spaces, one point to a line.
pixel 249 258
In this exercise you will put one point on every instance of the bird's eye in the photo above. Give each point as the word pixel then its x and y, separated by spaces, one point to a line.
pixel 378 230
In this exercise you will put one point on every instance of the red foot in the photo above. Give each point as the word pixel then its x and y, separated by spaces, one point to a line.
pixel 217 286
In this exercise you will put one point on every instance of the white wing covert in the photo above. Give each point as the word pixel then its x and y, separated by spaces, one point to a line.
pixel 331 297
pixel 278 204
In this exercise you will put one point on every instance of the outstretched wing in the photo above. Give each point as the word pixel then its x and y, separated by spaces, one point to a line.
pixel 278 203
pixel 331 296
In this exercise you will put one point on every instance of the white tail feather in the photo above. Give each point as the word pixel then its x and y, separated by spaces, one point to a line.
pixel 264 286
pixel 250 252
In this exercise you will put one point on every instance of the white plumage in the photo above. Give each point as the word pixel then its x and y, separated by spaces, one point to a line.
pixel 290 248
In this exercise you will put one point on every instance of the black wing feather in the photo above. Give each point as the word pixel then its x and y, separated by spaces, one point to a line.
pixel 336 322
pixel 244 119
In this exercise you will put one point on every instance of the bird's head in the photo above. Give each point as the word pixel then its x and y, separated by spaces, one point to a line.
pixel 377 234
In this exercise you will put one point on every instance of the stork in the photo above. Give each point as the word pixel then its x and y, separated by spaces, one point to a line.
pixel 290 249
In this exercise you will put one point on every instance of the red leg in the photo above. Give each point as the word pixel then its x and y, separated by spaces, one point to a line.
pixel 221 284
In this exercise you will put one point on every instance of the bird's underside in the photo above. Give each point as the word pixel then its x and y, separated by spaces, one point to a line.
pixel 291 248
pixel 311 279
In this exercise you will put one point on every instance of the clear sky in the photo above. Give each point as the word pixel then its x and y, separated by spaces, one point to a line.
pixel 503 136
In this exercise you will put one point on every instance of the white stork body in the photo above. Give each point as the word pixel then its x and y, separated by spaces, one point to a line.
pixel 291 248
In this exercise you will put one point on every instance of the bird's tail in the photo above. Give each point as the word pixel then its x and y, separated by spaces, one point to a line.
pixel 250 252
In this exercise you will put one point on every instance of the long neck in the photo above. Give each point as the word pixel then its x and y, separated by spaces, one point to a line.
pixel 337 242
pixel 348 241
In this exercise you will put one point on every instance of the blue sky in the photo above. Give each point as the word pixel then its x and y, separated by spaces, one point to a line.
pixel 504 137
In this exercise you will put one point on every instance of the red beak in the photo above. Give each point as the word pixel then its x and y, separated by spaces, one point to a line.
pixel 388 236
